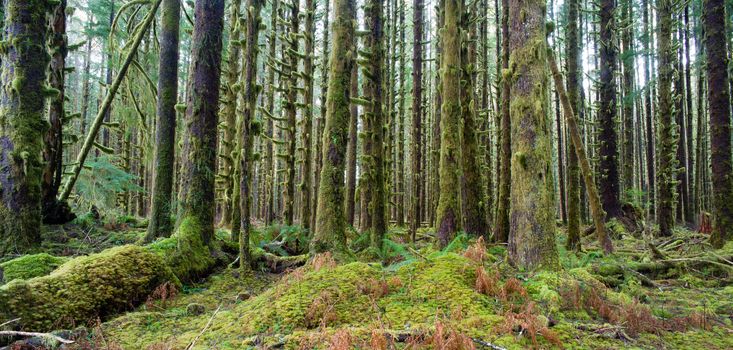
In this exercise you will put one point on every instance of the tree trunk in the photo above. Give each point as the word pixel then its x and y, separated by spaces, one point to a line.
pixel 290 69
pixel 532 222
pixel 608 152
pixel 719 103
pixel 22 126
pixel 573 63
pixel 202 117
pixel 667 146
pixel 351 150
pixel 330 233
pixel 448 216
pixel 160 222
pixel 322 120
pixel 627 57
pixel 416 132
pixel 310 32
pixel 501 232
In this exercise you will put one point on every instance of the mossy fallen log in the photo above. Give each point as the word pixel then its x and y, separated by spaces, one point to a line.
pixel 84 288
pixel 29 266
pixel 103 284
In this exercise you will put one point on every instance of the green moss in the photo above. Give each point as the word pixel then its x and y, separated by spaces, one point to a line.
pixel 29 266
pixel 84 288
pixel 185 252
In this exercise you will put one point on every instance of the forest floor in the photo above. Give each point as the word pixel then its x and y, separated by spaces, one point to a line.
pixel 465 296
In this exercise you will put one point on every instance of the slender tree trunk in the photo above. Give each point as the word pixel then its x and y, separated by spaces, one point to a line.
pixel 608 151
pixel 400 155
pixel 22 126
pixel 501 233
pixel 532 222
pixel 416 132
pixel 628 56
pixel 351 154
pixel 719 103
pixel 573 62
pixel 270 157
pixel 310 32
pixel 667 146
pixel 320 122
pixel 160 222
pixel 650 166
pixel 330 234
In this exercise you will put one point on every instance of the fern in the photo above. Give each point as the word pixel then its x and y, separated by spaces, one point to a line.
pixel 458 244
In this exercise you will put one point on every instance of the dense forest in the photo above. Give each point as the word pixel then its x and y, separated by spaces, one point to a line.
pixel 366 174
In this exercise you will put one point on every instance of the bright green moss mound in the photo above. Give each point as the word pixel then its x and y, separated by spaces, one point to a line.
pixel 185 252
pixel 29 266
pixel 84 288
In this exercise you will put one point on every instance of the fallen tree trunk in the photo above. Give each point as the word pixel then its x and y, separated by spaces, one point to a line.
pixel 107 283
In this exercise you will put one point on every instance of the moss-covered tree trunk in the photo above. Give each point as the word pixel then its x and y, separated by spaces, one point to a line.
pixel 399 161
pixel 55 212
pixel 719 103
pixel 306 186
pixel 22 124
pixel 649 131
pixel 325 15
pixel 573 86
pixel 330 233
pixel 472 187
pixel 202 117
pixel 229 114
pixel 627 58
pixel 608 179
pixel 433 180
pixel 532 216
pixel 416 131
pixel 271 176
pixel 165 134
pixel 501 230
pixel 351 155
pixel 448 215
pixel 291 49
pixel 667 129
pixel 375 120
pixel 248 126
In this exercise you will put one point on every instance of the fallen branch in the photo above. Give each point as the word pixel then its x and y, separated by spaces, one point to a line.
pixel 487 344
pixel 35 334
pixel 208 324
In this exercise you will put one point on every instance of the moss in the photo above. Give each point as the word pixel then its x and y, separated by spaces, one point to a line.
pixel 84 288
pixel 29 266
pixel 185 252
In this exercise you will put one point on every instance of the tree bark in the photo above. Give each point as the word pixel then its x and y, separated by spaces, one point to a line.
pixel 416 132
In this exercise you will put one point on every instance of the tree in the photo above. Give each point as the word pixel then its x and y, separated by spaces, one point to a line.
pixel 532 221
pixel 22 125
pixel 573 86
pixel 719 101
pixel 416 132
pixel 248 126
pixel 667 141
pixel 310 32
pixel 448 216
pixel 501 230
pixel 160 222
pixel 289 68
pixel 608 152
pixel 330 233
pixel 375 119
pixel 202 117
pixel 627 57
pixel 472 188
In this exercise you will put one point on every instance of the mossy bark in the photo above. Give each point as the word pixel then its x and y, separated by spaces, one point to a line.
pixel 649 131
pixel 55 212
pixel 229 114
pixel 472 187
pixel 416 132
pixel 22 125
pixel 627 57
pixel 448 215
pixel 326 15
pixel 501 230
pixel 270 175
pixel 160 222
pixel 573 86
pixel 351 154
pixel 202 117
pixel 330 230
pixel 667 129
pixel 608 180
pixel 307 184
pixel 248 124
pixel 375 122
pixel 718 100
pixel 290 67
pixel 532 215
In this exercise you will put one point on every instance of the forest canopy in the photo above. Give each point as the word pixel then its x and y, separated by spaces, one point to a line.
pixel 444 174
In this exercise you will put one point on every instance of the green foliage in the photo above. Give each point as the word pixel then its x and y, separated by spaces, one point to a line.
pixel 100 185
pixel 29 266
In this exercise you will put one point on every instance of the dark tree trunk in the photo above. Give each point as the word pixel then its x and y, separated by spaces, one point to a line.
pixel 501 232
pixel 165 133
pixel 608 152
pixel 719 103
pixel 22 126
pixel 310 32
pixel 351 155
pixel 628 103
pixel 202 116
pixel 650 166
pixel 573 86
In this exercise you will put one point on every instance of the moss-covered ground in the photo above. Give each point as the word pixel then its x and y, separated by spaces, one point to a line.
pixel 455 298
